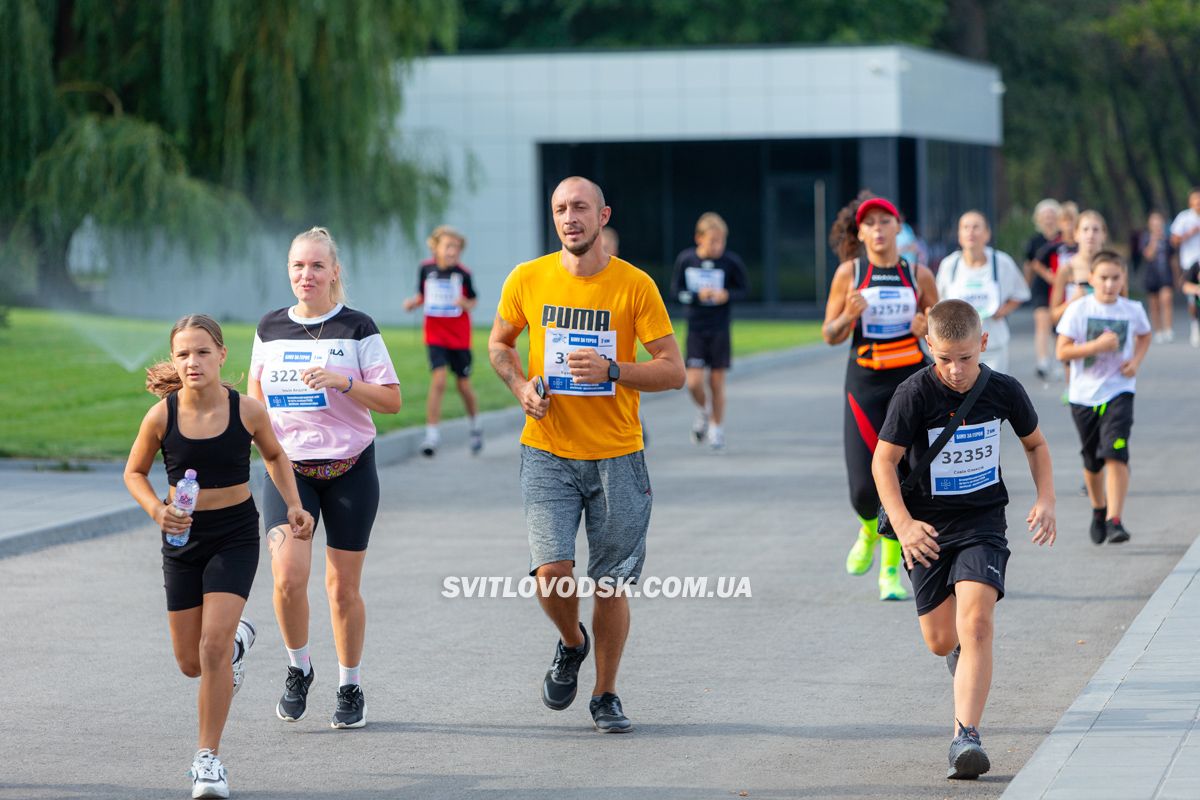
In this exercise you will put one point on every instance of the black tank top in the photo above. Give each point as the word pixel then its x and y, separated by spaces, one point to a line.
pixel 219 461
pixel 883 336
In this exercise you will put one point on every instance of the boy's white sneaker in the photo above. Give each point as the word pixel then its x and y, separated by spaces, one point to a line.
pixel 209 776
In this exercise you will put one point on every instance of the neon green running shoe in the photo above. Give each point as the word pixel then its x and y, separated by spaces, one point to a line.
pixel 890 587
pixel 862 555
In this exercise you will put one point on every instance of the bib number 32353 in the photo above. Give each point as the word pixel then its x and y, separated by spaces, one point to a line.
pixel 560 342
pixel 970 461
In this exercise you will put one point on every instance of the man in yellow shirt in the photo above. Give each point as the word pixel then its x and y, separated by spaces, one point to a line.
pixel 581 450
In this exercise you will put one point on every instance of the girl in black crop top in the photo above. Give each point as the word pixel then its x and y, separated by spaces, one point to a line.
pixel 205 425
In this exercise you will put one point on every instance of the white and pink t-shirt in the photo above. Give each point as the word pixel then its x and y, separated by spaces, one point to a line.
pixel 319 425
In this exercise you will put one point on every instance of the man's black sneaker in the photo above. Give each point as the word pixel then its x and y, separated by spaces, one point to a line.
pixel 967 759
pixel 294 703
pixel 608 715
pixel 1116 532
pixel 562 679
pixel 1098 531
pixel 351 709
pixel 952 659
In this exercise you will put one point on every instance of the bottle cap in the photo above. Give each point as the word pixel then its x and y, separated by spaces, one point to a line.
pixel 190 474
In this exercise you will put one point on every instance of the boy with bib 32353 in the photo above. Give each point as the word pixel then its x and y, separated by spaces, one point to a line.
pixel 1105 337
pixel 949 516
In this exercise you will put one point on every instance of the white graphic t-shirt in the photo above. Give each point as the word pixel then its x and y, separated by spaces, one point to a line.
pixel 1098 379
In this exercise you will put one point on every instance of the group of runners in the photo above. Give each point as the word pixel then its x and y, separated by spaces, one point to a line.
pixel 926 395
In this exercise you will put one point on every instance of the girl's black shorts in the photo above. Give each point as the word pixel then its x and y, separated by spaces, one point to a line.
pixel 221 555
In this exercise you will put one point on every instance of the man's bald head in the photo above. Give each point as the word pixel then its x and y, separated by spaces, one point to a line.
pixel 599 193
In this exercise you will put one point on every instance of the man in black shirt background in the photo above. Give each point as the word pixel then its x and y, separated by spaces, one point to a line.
pixel 707 279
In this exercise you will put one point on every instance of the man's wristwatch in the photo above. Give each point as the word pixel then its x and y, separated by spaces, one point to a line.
pixel 614 371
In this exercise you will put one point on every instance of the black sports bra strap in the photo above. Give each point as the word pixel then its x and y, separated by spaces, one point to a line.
pixel 172 411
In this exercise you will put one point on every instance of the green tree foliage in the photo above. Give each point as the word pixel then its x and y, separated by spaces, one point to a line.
pixel 545 24
pixel 200 119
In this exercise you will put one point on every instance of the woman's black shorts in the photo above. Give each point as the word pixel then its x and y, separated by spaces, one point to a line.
pixel 349 503
pixel 221 555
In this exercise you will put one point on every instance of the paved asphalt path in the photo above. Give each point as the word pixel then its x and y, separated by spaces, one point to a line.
pixel 812 688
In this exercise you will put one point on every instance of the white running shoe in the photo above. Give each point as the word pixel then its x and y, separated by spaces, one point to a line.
pixel 716 438
pixel 209 776
pixel 244 635
pixel 700 427
pixel 1159 337
pixel 1168 336
pixel 430 445
pixel 1194 337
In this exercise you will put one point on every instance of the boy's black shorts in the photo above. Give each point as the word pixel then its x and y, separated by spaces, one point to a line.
pixel 712 349
pixel 459 361
pixel 1104 430
pixel 981 557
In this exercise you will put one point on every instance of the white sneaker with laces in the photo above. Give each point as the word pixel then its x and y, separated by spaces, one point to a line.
pixel 245 635
pixel 209 776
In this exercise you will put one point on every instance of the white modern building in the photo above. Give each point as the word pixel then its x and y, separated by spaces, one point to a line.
pixel 776 140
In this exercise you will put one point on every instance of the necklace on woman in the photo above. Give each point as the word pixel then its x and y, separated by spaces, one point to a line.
pixel 320 330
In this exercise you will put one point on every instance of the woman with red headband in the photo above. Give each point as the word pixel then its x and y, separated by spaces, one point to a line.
pixel 879 301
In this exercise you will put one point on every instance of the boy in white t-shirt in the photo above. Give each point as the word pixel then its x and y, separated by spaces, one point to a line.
pixel 987 279
pixel 1185 236
pixel 1105 337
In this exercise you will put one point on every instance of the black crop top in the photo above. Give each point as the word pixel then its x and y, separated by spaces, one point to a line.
pixel 219 461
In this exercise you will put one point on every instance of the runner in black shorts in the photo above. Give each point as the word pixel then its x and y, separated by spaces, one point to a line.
pixel 1040 277
pixel 204 425
pixel 708 279
pixel 951 525
pixel 445 289
pixel 323 368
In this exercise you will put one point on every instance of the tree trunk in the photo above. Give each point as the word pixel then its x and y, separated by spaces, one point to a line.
pixel 1190 103
pixel 1135 172
pixel 55 286
pixel 970 28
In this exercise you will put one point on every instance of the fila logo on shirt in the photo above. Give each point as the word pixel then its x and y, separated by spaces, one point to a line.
pixel 579 319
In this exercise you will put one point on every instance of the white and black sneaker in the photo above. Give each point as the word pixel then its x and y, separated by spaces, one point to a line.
pixel 243 640
pixel 351 711
pixel 700 427
pixel 209 776
pixel 476 442
pixel 294 703
pixel 430 444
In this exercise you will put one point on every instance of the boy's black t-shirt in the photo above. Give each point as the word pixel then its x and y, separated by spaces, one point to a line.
pixel 703 318
pixel 921 403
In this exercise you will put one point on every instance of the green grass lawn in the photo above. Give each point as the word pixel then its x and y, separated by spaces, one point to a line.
pixel 75 387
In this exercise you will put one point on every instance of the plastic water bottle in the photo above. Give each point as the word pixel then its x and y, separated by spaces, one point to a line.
pixel 186 492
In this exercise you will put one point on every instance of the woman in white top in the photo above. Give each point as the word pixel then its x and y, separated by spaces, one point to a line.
pixel 986 278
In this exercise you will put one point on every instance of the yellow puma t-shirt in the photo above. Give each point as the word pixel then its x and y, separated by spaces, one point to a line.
pixel 610 311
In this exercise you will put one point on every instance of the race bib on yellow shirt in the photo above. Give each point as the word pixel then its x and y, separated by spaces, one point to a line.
pixel 281 381
pixel 560 342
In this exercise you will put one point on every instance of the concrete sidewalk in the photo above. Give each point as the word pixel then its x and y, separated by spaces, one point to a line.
pixel 1134 732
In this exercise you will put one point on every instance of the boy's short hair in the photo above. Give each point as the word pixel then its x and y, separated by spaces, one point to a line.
pixel 955 321
pixel 442 231
pixel 710 220
pixel 1107 257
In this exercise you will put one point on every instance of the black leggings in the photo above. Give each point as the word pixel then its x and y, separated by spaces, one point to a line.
pixel 868 393
pixel 349 502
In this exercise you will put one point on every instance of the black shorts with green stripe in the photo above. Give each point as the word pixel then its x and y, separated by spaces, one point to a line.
pixel 1104 431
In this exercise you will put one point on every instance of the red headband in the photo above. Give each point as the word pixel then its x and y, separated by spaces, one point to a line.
pixel 874 202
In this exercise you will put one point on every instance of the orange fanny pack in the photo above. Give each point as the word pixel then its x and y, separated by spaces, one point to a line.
pixel 890 355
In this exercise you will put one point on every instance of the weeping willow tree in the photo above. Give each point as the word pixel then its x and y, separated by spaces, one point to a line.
pixel 199 121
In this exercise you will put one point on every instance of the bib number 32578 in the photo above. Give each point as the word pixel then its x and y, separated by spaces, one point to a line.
pixel 560 342
pixel 970 461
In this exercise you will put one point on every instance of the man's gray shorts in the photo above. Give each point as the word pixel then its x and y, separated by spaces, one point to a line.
pixel 613 493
